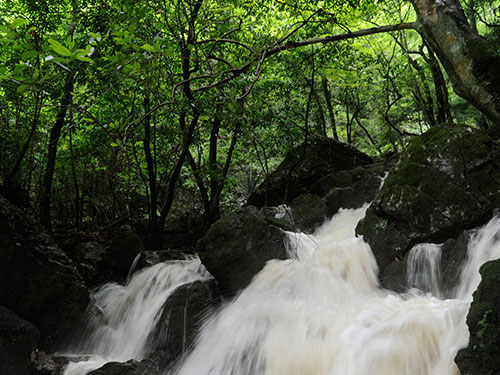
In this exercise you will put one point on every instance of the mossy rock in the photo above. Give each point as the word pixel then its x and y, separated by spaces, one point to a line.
pixel 238 246
pixel 309 211
pixel 447 181
pixel 481 356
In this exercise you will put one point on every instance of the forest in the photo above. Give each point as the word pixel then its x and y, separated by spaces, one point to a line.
pixel 160 112
pixel 212 162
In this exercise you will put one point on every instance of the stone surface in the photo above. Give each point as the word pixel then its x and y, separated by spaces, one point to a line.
pixel 151 257
pixel 18 339
pixel 37 280
pixel 308 212
pixel 180 320
pixel 237 246
pixel 299 170
pixel 448 181
pixel 481 356
pixel 453 255
pixel 131 367
pixel 120 255
pixel 88 256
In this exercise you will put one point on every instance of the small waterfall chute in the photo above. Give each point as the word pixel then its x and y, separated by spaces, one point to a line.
pixel 128 313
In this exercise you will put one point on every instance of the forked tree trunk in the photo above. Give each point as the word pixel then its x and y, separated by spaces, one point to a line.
pixel 473 67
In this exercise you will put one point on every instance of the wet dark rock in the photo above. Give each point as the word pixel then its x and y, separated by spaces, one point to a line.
pixel 45 364
pixel 447 181
pixel 37 280
pixel 453 256
pixel 308 212
pixel 18 339
pixel 88 256
pixel 237 246
pixel 151 257
pixel 481 355
pixel 180 320
pixel 120 255
pixel 131 367
pixel 301 169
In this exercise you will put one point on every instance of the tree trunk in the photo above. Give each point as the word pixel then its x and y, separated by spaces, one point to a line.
pixel 470 63
pixel 328 99
pixel 55 133
pixel 153 195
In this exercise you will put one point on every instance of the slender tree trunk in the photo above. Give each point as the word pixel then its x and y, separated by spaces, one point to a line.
pixel 76 199
pixel 466 57
pixel 153 196
pixel 55 133
pixel 328 100
pixel 443 110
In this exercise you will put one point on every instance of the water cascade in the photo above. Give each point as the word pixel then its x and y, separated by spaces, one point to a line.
pixel 424 268
pixel 127 314
pixel 321 312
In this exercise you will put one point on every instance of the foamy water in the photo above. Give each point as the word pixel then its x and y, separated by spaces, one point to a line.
pixel 321 312
pixel 128 313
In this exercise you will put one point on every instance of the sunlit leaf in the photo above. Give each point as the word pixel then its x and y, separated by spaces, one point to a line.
pixel 59 48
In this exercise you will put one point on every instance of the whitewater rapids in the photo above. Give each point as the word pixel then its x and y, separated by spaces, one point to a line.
pixel 321 312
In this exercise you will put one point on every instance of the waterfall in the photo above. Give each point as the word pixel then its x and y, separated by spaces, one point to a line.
pixel 322 312
pixel 126 314
pixel 424 268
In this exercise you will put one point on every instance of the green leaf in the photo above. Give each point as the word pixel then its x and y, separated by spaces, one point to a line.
pixel 83 58
pixel 22 88
pixel 29 54
pixel 19 22
pixel 59 48
pixel 148 48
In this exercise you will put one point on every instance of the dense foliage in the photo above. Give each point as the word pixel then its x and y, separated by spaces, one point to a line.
pixel 160 110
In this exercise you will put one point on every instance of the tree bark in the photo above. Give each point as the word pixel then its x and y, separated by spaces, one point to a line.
pixel 153 196
pixel 470 63
pixel 55 134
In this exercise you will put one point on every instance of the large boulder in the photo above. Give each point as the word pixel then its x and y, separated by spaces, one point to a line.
pixel 180 319
pixel 237 246
pixel 18 339
pixel 88 256
pixel 302 168
pixel 37 280
pixel 447 181
pixel 481 355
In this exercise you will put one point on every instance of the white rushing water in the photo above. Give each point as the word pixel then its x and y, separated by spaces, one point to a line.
pixel 423 270
pixel 129 312
pixel 321 312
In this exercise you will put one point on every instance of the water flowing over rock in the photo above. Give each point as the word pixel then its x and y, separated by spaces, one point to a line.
pixel 123 318
pixel 37 280
pixel 322 312
pixel 448 181
pixel 18 339
pixel 299 170
pixel 181 317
